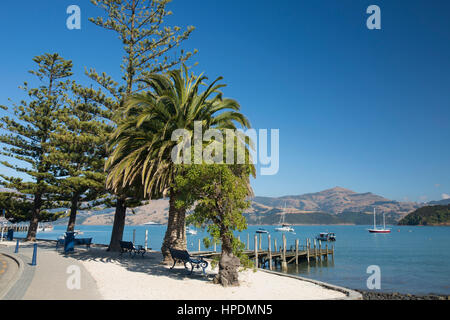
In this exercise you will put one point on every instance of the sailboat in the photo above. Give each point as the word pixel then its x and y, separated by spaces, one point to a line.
pixel 375 229
pixel 261 230
pixel 284 226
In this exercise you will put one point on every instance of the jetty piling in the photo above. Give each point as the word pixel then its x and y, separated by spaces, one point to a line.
pixel 269 249
pixel 283 262
pixel 320 248
pixel 307 250
pixel 146 240
pixel 256 251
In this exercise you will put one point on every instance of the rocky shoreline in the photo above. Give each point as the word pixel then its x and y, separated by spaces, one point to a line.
pixel 372 295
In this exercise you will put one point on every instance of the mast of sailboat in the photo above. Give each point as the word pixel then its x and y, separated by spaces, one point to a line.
pixel 374 219
pixel 384 222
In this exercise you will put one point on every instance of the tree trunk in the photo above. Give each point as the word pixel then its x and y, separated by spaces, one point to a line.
pixel 175 236
pixel 73 213
pixel 119 225
pixel 32 229
pixel 228 265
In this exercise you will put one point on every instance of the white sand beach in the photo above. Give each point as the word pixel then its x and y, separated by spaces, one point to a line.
pixel 127 278
pixel 109 276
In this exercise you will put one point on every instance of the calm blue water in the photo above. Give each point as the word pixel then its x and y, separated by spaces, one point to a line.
pixel 412 259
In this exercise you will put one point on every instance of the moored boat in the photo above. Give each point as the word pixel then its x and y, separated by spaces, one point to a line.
pixel 375 229
pixel 45 228
pixel 191 231
pixel 284 226
pixel 326 236
pixel 261 230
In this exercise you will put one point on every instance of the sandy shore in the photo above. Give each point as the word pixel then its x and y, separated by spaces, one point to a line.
pixel 127 278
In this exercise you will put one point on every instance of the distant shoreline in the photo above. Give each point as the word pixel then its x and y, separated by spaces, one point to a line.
pixel 269 225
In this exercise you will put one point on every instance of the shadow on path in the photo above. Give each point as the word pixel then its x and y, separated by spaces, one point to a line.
pixel 149 264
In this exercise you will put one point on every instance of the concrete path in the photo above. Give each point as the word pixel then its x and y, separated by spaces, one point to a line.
pixel 9 269
pixel 55 277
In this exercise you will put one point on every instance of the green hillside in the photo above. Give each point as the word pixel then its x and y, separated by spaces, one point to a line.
pixel 430 215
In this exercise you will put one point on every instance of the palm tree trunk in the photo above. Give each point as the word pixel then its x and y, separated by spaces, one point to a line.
pixel 32 229
pixel 228 264
pixel 119 225
pixel 73 213
pixel 175 236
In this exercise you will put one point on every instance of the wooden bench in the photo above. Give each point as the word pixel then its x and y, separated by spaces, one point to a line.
pixel 184 257
pixel 127 246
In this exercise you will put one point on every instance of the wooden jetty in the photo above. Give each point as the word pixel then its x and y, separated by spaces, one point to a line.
pixel 280 256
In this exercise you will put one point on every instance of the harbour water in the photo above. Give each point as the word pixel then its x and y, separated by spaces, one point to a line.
pixel 412 260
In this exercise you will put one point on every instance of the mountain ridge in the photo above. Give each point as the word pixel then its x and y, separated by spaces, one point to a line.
pixel 335 205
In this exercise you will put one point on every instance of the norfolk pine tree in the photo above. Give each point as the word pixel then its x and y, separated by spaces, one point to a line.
pixel 147 42
pixel 29 131
pixel 79 143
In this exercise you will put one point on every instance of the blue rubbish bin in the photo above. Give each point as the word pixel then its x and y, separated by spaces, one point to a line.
pixel 10 236
pixel 69 242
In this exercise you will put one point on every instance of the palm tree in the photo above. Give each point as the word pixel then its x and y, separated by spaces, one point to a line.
pixel 143 141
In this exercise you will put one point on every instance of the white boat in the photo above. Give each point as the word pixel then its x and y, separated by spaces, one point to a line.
pixel 284 226
pixel 375 229
pixel 151 223
pixel 45 228
pixel 326 236
pixel 190 231
pixel 261 230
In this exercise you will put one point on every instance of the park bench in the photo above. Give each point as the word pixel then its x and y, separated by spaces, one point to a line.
pixel 184 257
pixel 127 246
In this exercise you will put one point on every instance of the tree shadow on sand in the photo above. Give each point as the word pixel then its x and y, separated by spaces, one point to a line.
pixel 149 264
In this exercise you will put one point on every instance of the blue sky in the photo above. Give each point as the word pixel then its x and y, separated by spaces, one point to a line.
pixel 368 110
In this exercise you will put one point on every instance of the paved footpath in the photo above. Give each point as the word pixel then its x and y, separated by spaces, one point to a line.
pixel 53 278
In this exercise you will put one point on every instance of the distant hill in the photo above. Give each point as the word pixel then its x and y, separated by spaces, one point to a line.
pixel 339 200
pixel 156 211
pixel 439 202
pixel 332 206
pixel 428 216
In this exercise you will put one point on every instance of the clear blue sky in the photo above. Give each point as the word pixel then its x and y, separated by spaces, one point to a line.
pixel 366 110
